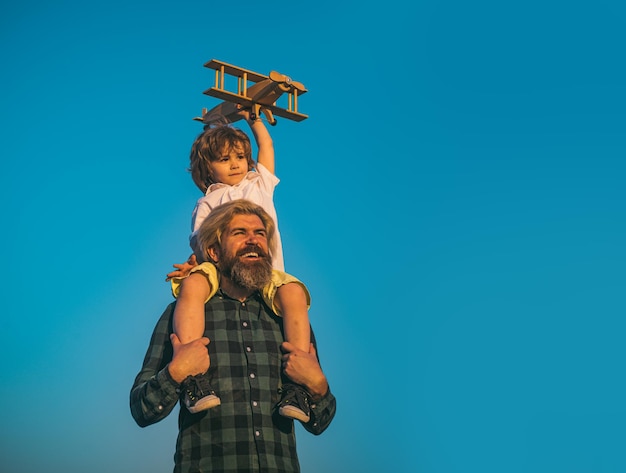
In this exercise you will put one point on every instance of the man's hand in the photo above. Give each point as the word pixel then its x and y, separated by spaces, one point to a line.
pixel 183 269
pixel 303 368
pixel 189 359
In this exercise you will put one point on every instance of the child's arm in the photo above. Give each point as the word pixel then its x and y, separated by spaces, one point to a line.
pixel 263 141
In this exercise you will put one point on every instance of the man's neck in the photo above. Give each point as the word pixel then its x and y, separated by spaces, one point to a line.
pixel 234 290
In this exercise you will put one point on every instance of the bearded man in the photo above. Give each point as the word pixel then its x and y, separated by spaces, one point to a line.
pixel 247 360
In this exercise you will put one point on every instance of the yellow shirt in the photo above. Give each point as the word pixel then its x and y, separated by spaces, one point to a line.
pixel 279 278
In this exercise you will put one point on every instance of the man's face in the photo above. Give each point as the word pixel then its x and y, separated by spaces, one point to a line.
pixel 243 255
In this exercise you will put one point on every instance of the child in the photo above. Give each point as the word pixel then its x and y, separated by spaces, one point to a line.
pixel 221 166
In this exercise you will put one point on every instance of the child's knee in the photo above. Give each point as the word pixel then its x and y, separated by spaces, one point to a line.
pixel 195 284
pixel 291 292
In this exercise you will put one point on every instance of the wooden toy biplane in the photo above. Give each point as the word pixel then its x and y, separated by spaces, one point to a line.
pixel 260 97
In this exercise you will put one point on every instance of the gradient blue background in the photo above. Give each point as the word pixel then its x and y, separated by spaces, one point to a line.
pixel 455 202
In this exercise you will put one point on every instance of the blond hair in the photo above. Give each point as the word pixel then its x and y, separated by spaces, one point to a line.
pixel 210 233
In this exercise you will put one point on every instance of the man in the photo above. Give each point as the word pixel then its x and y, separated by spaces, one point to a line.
pixel 247 360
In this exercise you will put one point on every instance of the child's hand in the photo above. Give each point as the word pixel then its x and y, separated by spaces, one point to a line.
pixel 183 269
pixel 245 113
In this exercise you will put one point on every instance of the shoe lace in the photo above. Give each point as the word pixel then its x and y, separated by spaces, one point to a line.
pixel 194 388
pixel 298 396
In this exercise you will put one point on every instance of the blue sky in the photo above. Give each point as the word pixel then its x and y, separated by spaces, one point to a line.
pixel 455 202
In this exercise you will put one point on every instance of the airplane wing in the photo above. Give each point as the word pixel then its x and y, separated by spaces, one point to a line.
pixel 224 68
pixel 264 93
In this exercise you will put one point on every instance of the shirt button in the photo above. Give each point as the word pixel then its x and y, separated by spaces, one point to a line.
pixel 252 375
pixel 245 324
pixel 159 407
pixel 254 403
pixel 257 433
pixel 248 349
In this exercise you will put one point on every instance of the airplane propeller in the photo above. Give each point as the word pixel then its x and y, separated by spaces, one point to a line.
pixel 282 79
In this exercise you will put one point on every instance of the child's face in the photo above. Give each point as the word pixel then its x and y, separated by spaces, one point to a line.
pixel 231 167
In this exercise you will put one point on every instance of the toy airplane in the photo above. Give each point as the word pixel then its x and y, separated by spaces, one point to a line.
pixel 259 98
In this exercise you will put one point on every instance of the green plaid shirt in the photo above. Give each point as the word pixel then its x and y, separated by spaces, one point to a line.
pixel 244 433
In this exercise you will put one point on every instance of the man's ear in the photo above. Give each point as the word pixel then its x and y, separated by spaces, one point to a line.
pixel 213 254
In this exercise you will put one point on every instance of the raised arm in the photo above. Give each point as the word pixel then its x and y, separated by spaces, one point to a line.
pixel 263 140
pixel 264 143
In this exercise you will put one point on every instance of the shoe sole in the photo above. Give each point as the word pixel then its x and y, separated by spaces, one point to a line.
pixel 294 413
pixel 204 404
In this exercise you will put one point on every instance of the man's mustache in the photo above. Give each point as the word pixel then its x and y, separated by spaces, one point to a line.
pixel 252 249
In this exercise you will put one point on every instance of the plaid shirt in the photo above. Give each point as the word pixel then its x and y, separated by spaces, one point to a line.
pixel 244 433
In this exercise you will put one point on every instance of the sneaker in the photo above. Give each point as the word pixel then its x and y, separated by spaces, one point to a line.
pixel 295 403
pixel 198 395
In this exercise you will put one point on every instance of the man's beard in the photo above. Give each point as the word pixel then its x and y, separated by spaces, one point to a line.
pixel 252 275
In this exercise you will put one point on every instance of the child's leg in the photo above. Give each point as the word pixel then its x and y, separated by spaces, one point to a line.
pixel 292 302
pixel 189 310
pixel 198 395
